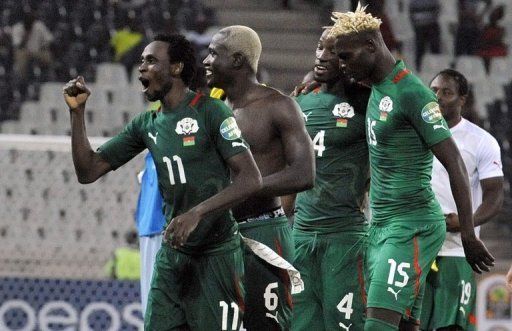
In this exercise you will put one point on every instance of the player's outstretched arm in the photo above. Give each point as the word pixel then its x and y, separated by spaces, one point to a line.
pixel 299 173
pixel 89 166
pixel 476 254
pixel 245 181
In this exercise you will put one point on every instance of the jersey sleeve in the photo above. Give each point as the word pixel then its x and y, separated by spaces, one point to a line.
pixel 489 158
pixel 224 130
pixel 125 145
pixel 422 111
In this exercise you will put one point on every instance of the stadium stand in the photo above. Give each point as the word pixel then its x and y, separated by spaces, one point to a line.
pixel 51 226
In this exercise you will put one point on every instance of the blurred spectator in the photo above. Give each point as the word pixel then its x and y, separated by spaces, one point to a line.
pixel 125 264
pixel 150 222
pixel 424 16
pixel 470 25
pixel 491 41
pixel 191 13
pixel 31 40
pixel 128 42
pixel 6 50
pixel 376 8
pixel 200 34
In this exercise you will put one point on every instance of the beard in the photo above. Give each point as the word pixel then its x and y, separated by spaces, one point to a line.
pixel 159 94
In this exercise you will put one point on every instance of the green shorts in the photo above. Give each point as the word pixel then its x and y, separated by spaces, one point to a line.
pixel 450 295
pixel 331 266
pixel 268 299
pixel 203 292
pixel 398 259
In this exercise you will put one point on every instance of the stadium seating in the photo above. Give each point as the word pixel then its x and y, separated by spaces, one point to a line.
pixel 51 225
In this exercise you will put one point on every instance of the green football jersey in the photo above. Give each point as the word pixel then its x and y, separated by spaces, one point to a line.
pixel 189 144
pixel 403 121
pixel 338 133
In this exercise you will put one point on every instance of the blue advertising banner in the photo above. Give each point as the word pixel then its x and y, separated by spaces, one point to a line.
pixel 29 304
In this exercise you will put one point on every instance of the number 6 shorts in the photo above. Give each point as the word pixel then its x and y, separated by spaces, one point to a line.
pixel 398 258
pixel 268 299
pixel 202 292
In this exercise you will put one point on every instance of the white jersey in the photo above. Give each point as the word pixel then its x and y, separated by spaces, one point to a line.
pixel 482 157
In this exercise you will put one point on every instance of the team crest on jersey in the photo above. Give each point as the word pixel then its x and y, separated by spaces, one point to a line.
pixel 187 126
pixel 431 113
pixel 343 111
pixel 229 129
pixel 385 107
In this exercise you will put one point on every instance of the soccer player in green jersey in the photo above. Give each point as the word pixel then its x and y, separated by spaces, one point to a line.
pixel 329 229
pixel 404 127
pixel 195 142
pixel 272 125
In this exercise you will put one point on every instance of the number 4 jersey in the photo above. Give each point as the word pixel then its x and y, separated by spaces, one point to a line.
pixel 189 144
pixel 338 133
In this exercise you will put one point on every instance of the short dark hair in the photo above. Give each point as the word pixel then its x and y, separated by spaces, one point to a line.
pixel 462 82
pixel 180 50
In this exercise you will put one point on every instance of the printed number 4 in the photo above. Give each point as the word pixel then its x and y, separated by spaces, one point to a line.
pixel 225 311
pixel 181 169
pixel 345 305
pixel 318 142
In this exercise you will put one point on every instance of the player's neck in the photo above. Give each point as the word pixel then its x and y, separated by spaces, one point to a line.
pixel 237 92
pixel 384 66
pixel 175 96
pixel 336 88
pixel 454 121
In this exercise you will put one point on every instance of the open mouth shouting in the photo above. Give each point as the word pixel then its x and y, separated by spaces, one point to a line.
pixel 145 83
pixel 320 69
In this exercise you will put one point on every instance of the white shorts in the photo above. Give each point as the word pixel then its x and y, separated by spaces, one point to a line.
pixel 149 246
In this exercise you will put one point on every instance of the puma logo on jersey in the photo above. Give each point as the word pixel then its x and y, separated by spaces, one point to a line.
pixel 274 317
pixel 462 310
pixel 394 293
pixel 150 135
pixel 237 144
pixel 439 126
pixel 306 116
pixel 343 326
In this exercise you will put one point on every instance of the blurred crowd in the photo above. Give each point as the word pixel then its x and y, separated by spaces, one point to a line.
pixel 56 40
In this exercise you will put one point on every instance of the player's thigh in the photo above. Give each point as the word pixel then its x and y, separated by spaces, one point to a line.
pixel 343 292
pixel 455 293
pixel 164 310
pixel 268 297
pixel 427 306
pixel 307 305
pixel 399 259
pixel 213 294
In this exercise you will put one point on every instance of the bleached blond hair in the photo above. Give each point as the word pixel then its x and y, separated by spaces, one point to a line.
pixel 243 39
pixel 353 22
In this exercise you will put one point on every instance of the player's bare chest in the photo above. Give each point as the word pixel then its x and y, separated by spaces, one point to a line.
pixel 256 126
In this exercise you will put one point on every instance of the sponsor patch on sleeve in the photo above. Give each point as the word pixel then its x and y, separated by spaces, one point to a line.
pixel 229 129
pixel 431 113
